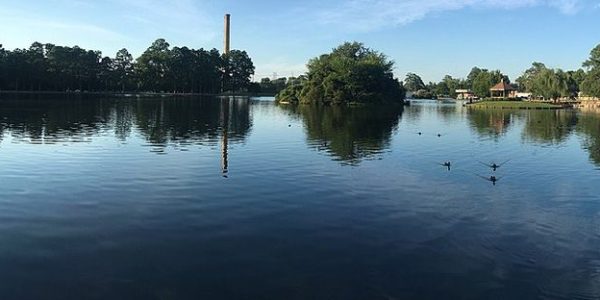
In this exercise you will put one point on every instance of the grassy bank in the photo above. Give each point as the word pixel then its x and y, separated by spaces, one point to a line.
pixel 515 105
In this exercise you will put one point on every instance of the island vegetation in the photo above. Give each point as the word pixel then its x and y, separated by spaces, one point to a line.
pixel 161 68
pixel 351 73
pixel 538 82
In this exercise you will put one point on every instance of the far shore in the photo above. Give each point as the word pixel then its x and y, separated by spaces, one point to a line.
pixel 499 104
pixel 134 94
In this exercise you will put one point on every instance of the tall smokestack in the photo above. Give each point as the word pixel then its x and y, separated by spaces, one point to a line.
pixel 227 33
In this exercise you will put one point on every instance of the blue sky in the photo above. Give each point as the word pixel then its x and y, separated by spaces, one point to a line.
pixel 429 37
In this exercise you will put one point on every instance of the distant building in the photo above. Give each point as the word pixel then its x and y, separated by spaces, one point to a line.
pixel 583 97
pixel 520 95
pixel 502 90
pixel 464 94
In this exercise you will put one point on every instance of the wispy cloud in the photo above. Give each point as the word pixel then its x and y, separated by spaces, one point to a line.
pixel 279 66
pixel 41 28
pixel 180 20
pixel 109 25
pixel 367 15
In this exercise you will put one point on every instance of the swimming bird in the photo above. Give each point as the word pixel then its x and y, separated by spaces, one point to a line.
pixel 494 166
pixel 447 165
pixel 492 179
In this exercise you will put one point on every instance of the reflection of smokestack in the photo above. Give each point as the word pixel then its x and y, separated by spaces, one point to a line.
pixel 227 33
pixel 225 137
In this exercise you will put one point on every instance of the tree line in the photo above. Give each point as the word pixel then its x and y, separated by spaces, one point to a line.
pixel 49 67
pixel 539 80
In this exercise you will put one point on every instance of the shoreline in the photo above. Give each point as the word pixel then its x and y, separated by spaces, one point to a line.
pixel 589 104
pixel 525 105
pixel 133 94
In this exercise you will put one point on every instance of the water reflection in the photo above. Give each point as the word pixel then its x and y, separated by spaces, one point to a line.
pixel 40 120
pixel 160 121
pixel 447 111
pixel 589 127
pixel 548 127
pixel 349 134
pixel 540 126
pixel 185 120
pixel 225 119
pixel 161 227
pixel 490 123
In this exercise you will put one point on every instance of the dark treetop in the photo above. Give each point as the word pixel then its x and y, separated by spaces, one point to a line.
pixel 351 73
pixel 48 67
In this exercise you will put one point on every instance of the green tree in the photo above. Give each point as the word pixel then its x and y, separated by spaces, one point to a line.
pixel 152 67
pixel 484 80
pixel 123 68
pixel 350 73
pixel 413 82
pixel 574 81
pixel 550 84
pixel 451 85
pixel 591 85
pixel 526 80
pixel 36 66
pixel 594 61
pixel 475 71
pixel 106 75
pixel 441 89
pixel 60 68
pixel 238 69
pixel 16 69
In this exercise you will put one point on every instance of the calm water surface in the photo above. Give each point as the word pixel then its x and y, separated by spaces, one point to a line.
pixel 242 199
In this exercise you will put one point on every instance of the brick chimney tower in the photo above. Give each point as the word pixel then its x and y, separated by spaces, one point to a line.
pixel 227 34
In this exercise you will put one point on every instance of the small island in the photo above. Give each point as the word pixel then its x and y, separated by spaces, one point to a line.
pixel 350 74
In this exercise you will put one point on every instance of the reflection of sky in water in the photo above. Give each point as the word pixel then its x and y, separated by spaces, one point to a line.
pixel 293 219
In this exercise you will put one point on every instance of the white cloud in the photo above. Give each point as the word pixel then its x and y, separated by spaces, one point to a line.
pixel 367 15
pixel 109 25
pixel 23 28
pixel 282 67
pixel 179 18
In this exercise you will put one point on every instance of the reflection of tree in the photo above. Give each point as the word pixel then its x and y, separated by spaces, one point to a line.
pixel 350 133
pixel 541 126
pixel 552 127
pixel 49 120
pixel 448 112
pixel 160 121
pixel 123 117
pixel 490 123
pixel 589 125
pixel 186 120
pixel 414 112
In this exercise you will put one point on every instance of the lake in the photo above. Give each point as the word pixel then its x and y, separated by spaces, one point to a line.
pixel 237 198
